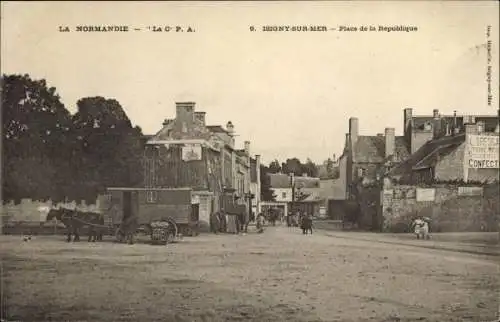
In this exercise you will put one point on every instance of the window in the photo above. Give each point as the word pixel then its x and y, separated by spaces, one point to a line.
pixel 151 196
pixel 283 195
pixel 361 172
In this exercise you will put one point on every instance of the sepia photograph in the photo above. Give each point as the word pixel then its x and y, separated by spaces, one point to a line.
pixel 205 161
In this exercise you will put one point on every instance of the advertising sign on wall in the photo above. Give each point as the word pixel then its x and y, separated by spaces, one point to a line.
pixel 482 151
pixel 425 194
pixel 191 152
pixel 470 191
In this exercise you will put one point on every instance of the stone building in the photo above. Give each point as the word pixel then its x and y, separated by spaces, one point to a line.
pixel 432 147
pixel 366 154
pixel 186 152
pixel 467 150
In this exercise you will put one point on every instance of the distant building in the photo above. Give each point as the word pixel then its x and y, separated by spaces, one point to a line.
pixel 419 129
pixel 425 138
pixel 186 152
pixel 467 150
pixel 366 154
pixel 307 193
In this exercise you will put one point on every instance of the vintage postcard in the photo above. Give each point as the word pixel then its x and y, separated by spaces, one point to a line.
pixel 250 161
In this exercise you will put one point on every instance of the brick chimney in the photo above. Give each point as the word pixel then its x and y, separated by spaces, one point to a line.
pixel 184 115
pixel 390 141
pixel 353 130
pixel 200 116
pixel 470 128
pixel 230 128
pixel 407 114
pixel 247 147
pixel 436 124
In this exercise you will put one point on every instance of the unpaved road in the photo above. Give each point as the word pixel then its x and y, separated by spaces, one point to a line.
pixel 280 275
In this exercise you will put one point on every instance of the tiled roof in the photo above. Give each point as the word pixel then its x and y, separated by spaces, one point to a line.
pixel 371 149
pixel 427 152
pixel 401 151
pixel 280 180
pixel 216 129
pixel 241 153
pixel 490 122
pixel 431 159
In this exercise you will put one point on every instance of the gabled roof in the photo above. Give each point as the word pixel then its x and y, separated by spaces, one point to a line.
pixel 401 151
pixel 431 159
pixel 427 154
pixel 371 149
pixel 490 121
pixel 216 129
pixel 241 153
pixel 281 180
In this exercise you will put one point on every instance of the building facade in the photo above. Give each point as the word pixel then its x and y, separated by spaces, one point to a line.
pixel 432 148
pixel 186 152
pixel 469 152
pixel 296 193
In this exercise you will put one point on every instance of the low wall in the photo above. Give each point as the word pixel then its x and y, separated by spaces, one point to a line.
pixel 36 211
pixel 451 207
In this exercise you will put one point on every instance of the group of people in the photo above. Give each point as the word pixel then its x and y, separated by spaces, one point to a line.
pixel 236 223
pixel 421 227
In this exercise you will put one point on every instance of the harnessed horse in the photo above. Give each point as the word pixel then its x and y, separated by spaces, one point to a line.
pixel 75 220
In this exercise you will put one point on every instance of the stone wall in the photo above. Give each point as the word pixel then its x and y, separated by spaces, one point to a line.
pixel 454 208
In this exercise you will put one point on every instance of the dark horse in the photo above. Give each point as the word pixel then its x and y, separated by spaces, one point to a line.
pixel 75 221
pixel 306 225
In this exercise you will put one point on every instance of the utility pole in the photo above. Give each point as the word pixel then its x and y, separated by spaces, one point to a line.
pixel 292 184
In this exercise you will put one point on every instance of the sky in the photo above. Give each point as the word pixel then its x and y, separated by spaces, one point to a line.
pixel 289 93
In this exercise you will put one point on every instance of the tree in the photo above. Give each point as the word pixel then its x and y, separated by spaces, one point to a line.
pixel 35 133
pixel 310 168
pixel 266 193
pixel 108 149
pixel 293 166
pixel 274 167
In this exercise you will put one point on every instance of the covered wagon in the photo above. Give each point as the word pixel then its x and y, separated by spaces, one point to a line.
pixel 162 213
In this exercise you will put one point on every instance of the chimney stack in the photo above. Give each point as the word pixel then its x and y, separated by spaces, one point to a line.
pixel 437 128
pixel 230 128
pixel 353 130
pixel 408 115
pixel 390 141
pixel 184 115
pixel 200 116
pixel 247 147
pixel 470 128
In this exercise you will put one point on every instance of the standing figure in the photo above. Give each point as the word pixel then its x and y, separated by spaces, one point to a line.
pixel 421 228
pixel 260 223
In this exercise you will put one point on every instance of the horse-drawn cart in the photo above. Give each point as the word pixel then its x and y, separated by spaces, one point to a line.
pixel 164 214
